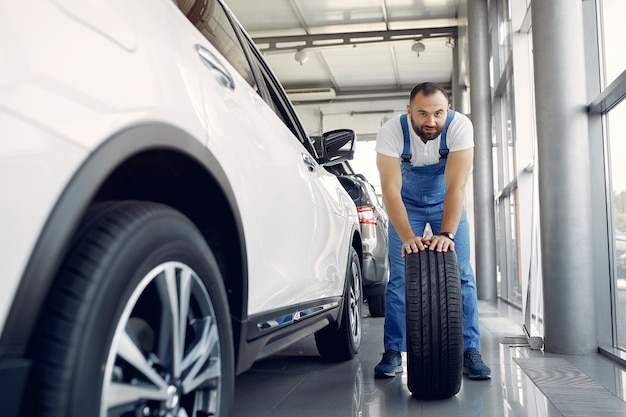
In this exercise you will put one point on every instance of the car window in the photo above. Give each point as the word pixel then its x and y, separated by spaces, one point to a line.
pixel 211 20
pixel 215 25
pixel 280 104
pixel 277 99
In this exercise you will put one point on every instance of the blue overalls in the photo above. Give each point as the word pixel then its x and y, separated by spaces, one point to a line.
pixel 423 193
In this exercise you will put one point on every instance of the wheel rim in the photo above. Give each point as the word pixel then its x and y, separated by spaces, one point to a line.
pixel 165 357
pixel 355 304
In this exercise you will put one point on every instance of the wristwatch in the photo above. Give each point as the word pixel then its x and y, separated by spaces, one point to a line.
pixel 449 235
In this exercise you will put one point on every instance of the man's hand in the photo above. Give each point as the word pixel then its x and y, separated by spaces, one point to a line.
pixel 438 243
pixel 412 245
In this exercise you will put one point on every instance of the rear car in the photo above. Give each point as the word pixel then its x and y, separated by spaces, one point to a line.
pixel 375 237
pixel 374 224
pixel 164 219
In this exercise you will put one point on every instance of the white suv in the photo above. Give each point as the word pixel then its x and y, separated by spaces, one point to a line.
pixel 164 219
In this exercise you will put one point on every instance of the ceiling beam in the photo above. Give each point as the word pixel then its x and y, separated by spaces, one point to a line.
pixel 326 40
pixel 371 94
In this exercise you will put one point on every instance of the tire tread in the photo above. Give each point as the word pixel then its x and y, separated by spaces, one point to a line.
pixel 434 320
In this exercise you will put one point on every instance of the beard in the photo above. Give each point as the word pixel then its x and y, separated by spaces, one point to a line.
pixel 431 133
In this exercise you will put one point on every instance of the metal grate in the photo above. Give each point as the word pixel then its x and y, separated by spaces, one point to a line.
pixel 573 393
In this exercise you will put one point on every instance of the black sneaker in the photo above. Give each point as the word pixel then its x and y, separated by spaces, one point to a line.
pixel 473 365
pixel 390 365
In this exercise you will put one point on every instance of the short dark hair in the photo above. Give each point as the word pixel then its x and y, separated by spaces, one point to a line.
pixel 428 89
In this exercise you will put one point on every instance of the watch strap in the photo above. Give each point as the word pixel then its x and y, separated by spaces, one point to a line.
pixel 449 235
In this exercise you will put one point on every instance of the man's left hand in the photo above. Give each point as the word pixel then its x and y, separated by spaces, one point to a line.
pixel 439 243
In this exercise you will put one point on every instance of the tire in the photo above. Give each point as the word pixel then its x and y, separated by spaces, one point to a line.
pixel 343 342
pixel 434 324
pixel 376 304
pixel 137 323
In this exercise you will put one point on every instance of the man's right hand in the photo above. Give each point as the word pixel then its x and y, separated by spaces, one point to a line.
pixel 412 245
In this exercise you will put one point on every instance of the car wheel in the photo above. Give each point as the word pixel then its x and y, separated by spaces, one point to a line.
pixel 376 304
pixel 434 324
pixel 343 342
pixel 138 322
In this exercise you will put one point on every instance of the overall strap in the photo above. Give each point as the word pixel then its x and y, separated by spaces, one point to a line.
pixel 443 145
pixel 406 151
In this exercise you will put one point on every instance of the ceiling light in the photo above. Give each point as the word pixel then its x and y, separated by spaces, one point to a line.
pixel 301 56
pixel 418 47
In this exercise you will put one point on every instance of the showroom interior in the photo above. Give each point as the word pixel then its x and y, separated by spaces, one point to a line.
pixel 543 83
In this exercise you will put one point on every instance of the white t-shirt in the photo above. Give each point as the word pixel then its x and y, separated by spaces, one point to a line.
pixel 390 141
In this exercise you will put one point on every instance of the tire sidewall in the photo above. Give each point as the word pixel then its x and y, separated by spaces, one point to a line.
pixel 354 263
pixel 160 239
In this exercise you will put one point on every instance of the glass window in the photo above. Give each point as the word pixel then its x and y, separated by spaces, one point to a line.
pixel 508 248
pixel 612 34
pixel 503 129
pixel 504 32
pixel 498 182
pixel 508 126
pixel 514 287
pixel 505 171
pixel 214 25
pixel 613 13
pixel 275 96
pixel 616 123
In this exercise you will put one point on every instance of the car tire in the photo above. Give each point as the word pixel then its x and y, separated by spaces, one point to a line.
pixel 138 321
pixel 376 304
pixel 341 342
pixel 434 324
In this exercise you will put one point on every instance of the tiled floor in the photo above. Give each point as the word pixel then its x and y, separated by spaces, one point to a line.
pixel 296 383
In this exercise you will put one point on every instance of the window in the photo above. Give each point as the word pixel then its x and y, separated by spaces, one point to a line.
pixel 610 105
pixel 505 159
pixel 613 12
pixel 277 99
pixel 617 154
pixel 214 24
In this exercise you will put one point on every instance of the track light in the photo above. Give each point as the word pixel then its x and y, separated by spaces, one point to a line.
pixel 418 47
pixel 301 56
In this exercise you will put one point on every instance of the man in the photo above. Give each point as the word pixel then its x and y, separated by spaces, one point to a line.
pixel 424 158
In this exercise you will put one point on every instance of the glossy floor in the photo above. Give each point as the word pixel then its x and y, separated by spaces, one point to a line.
pixel 525 382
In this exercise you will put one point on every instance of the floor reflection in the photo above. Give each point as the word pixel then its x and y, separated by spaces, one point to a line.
pixel 297 383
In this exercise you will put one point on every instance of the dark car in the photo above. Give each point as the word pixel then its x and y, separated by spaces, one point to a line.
pixel 373 219
pixel 374 232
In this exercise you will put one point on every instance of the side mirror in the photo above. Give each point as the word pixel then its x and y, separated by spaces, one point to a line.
pixel 337 146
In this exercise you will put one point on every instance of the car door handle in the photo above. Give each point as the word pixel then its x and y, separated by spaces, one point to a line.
pixel 309 162
pixel 211 61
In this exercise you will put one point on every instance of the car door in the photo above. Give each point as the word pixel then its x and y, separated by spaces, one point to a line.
pixel 332 213
pixel 293 214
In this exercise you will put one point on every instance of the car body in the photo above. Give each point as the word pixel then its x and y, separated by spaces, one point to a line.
pixel 374 234
pixel 165 220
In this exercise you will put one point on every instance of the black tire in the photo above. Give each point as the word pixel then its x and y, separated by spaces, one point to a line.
pixel 340 342
pixel 434 324
pixel 376 304
pixel 137 323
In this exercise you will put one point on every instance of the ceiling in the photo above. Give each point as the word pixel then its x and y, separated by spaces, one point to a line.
pixel 352 49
